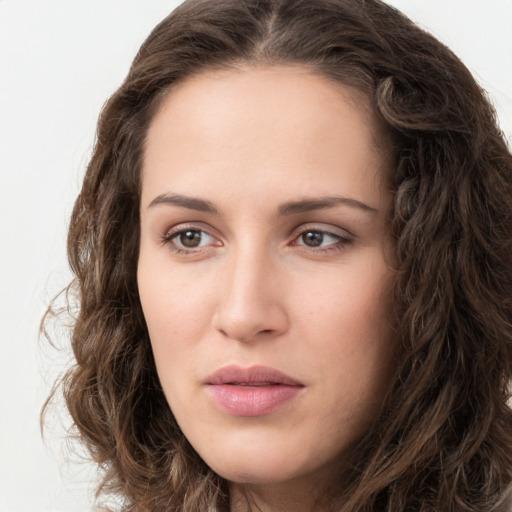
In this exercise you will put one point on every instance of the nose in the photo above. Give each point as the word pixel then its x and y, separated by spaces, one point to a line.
pixel 251 304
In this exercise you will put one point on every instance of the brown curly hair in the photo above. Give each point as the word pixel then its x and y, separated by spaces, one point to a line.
pixel 443 441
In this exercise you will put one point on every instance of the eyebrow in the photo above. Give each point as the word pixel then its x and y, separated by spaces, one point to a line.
pixel 307 205
pixel 289 208
pixel 192 203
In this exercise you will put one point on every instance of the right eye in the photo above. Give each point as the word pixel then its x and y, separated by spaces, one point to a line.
pixel 189 239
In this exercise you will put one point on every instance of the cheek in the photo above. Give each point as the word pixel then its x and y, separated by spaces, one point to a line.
pixel 355 303
pixel 175 304
pixel 350 333
pixel 177 317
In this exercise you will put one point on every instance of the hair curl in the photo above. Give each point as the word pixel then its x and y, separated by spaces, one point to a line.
pixel 443 442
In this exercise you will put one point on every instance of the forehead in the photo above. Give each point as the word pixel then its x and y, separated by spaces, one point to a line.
pixel 300 89
pixel 281 123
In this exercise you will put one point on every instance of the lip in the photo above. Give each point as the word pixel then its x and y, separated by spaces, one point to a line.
pixel 253 391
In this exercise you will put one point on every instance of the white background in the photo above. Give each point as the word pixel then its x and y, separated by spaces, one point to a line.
pixel 59 61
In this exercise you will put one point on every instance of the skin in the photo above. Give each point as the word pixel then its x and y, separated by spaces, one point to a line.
pixel 256 290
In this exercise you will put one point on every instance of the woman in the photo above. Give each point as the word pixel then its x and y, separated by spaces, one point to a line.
pixel 292 258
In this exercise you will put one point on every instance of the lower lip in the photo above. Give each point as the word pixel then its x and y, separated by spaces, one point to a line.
pixel 252 401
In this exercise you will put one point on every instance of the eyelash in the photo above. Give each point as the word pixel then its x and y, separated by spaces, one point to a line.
pixel 168 239
pixel 339 245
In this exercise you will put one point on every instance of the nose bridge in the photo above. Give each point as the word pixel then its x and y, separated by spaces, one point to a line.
pixel 250 302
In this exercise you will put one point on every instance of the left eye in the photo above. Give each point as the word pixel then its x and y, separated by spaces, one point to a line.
pixel 190 239
pixel 317 238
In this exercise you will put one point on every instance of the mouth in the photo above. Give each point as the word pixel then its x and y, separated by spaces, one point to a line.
pixel 254 391
pixel 253 384
pixel 252 376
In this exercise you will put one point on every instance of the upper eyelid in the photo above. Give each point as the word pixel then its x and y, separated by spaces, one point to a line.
pixel 184 226
pixel 339 240
pixel 324 228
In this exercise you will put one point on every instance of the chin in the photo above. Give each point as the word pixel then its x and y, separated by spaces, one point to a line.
pixel 261 466
pixel 250 468
pixel 244 474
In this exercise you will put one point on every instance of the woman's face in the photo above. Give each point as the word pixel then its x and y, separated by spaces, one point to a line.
pixel 263 269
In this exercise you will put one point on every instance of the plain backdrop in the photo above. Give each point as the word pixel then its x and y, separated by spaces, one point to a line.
pixel 59 61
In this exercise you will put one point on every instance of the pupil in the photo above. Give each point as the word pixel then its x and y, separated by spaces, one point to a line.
pixel 313 238
pixel 190 238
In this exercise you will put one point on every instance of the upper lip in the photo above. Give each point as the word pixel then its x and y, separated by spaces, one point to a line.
pixel 253 375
